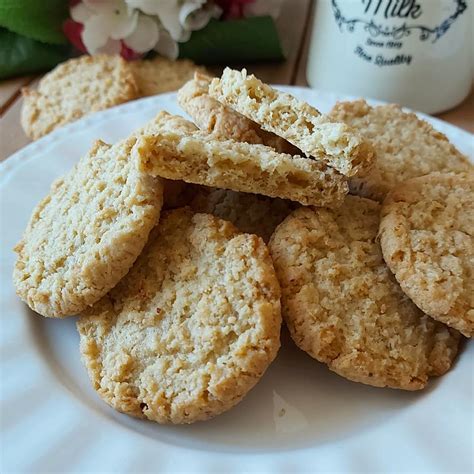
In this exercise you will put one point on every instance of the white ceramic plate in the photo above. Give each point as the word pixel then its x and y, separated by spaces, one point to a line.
pixel 299 418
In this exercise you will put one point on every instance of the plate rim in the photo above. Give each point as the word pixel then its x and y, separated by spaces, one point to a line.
pixel 300 460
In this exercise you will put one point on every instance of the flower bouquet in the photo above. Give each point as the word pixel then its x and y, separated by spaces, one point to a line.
pixel 37 35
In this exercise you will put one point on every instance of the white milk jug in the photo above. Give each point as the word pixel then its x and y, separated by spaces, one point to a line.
pixel 417 53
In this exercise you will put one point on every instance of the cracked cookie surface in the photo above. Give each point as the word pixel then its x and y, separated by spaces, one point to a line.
pixel 427 239
pixel 335 144
pixel 84 236
pixel 406 146
pixel 198 158
pixel 191 328
pixel 222 122
pixel 343 306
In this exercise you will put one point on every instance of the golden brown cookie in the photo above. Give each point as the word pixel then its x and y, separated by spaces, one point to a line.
pixel 76 88
pixel 250 213
pixel 84 236
pixel 427 238
pixel 191 328
pixel 343 306
pixel 164 121
pixel 175 193
pixel 158 75
pixel 406 146
pixel 198 158
pixel 335 144
pixel 222 122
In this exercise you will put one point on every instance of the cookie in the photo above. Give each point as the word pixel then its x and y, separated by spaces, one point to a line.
pixel 427 239
pixel 164 121
pixel 192 327
pixel 84 236
pixel 250 213
pixel 222 122
pixel 343 306
pixel 175 193
pixel 160 74
pixel 335 144
pixel 76 88
pixel 406 146
pixel 199 159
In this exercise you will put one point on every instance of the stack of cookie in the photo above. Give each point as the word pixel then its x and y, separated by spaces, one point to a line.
pixel 180 311
pixel 87 84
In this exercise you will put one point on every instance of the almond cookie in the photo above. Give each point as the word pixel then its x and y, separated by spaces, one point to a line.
pixel 343 306
pixel 76 88
pixel 250 213
pixel 192 327
pixel 160 74
pixel 427 238
pixel 406 146
pixel 222 122
pixel 199 159
pixel 84 236
pixel 302 125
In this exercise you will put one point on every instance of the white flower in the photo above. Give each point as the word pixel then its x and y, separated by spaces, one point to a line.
pixel 168 13
pixel 105 22
pixel 141 25
pixel 166 45
pixel 195 15
pixel 177 17
pixel 145 36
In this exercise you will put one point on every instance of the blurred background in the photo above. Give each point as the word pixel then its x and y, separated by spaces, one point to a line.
pixel 415 52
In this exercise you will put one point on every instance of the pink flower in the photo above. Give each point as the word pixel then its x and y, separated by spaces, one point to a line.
pixel 233 8
pixel 128 53
pixel 246 8
pixel 73 31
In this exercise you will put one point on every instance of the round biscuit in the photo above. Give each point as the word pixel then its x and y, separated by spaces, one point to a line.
pixel 406 146
pixel 343 306
pixel 84 236
pixel 76 88
pixel 427 239
pixel 192 327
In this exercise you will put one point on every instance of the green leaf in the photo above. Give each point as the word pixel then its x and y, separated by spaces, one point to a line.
pixel 245 40
pixel 40 20
pixel 20 55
